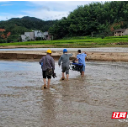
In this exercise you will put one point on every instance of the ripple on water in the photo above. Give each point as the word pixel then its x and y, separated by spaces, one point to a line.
pixel 87 101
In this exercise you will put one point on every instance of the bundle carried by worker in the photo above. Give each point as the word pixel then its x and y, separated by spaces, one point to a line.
pixel 75 66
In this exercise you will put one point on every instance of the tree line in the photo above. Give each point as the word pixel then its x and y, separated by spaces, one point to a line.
pixel 95 19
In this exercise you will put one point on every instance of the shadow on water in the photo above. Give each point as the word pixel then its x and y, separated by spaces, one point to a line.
pixel 87 101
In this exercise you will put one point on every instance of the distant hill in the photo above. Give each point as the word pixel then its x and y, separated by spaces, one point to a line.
pixel 17 26
pixel 28 23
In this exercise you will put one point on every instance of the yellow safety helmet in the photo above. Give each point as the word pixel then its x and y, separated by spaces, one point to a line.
pixel 49 51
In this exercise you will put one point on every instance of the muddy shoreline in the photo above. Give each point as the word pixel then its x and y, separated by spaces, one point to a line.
pixel 91 55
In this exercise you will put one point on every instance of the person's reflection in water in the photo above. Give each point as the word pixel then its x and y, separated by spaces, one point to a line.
pixel 48 106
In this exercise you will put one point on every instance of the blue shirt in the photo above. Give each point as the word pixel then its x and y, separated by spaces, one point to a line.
pixel 42 65
pixel 81 58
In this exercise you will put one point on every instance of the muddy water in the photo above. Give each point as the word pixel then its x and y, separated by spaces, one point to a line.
pixel 87 101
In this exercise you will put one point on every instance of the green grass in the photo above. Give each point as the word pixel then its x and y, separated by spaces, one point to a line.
pixel 75 42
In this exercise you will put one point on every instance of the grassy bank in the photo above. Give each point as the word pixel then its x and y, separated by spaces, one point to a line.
pixel 77 42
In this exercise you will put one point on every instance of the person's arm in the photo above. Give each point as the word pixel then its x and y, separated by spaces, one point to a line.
pixel 53 64
pixel 70 55
pixel 59 62
pixel 41 60
pixel 85 53
pixel 77 58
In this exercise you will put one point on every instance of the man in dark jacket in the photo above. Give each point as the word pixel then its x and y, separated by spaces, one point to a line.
pixel 47 62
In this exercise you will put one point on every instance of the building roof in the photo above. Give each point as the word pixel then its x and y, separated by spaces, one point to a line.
pixel 119 30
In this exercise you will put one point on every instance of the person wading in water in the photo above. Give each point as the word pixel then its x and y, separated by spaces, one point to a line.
pixel 48 67
pixel 81 59
pixel 65 63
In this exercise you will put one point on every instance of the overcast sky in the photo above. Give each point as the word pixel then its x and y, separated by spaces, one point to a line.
pixel 45 10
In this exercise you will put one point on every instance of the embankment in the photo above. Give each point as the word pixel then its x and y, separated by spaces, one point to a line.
pixel 98 56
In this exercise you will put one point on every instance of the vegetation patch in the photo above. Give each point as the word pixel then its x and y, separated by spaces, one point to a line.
pixel 80 42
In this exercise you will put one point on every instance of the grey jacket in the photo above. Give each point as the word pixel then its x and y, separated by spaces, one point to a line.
pixel 50 62
pixel 64 59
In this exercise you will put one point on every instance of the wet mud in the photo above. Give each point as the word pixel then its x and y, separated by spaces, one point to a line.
pixel 86 102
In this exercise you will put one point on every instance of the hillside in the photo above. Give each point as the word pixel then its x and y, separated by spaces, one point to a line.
pixel 18 26
pixel 28 23
pixel 95 19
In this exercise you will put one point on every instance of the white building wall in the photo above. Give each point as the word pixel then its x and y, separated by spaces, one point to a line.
pixel 45 35
pixel 23 37
pixel 38 33
pixel 29 35
pixel 32 36
pixel 126 32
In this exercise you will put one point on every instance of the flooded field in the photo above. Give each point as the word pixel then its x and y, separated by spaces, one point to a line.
pixel 85 102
